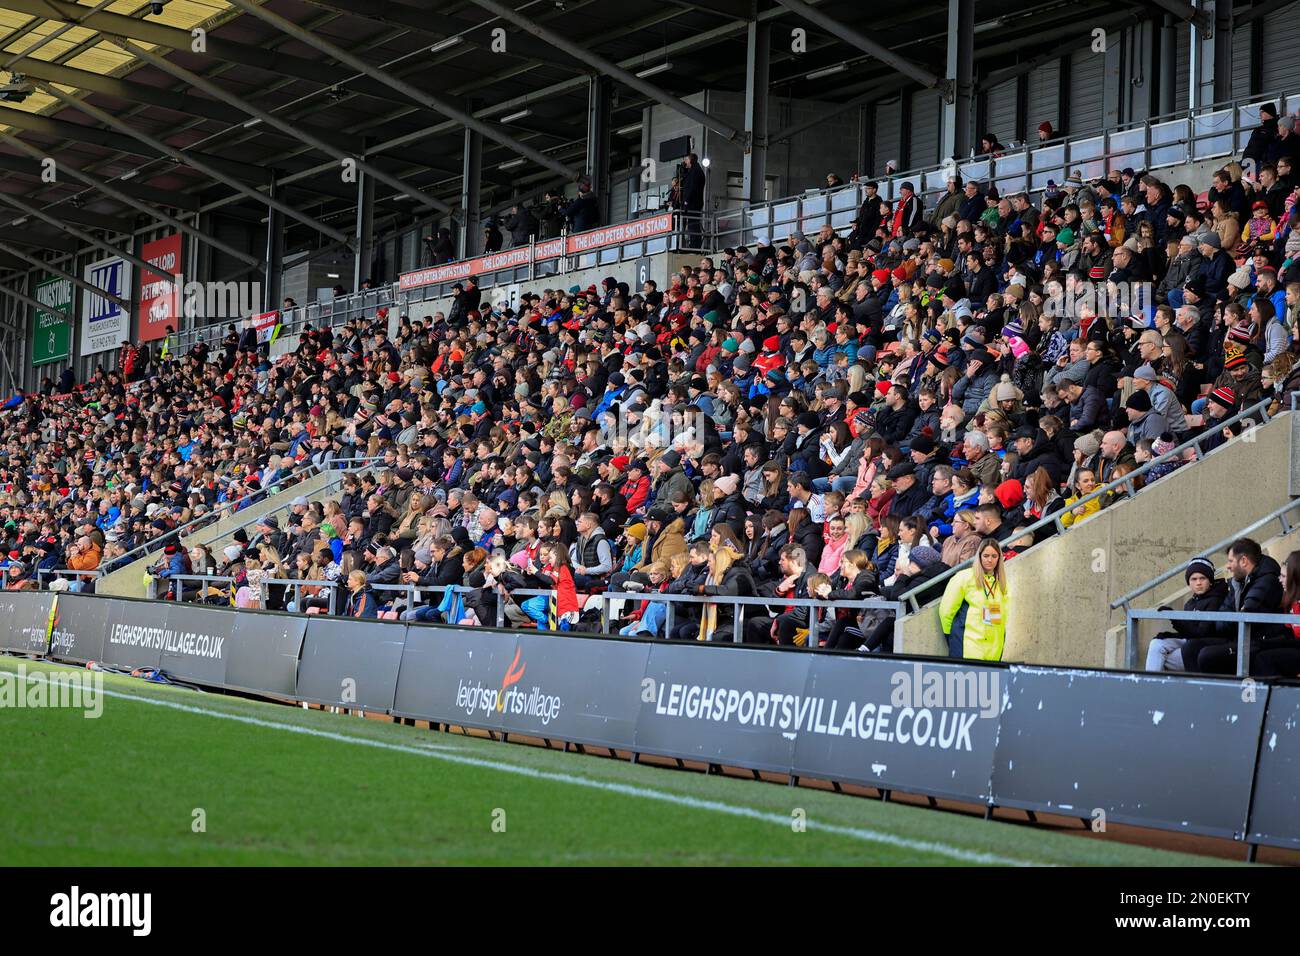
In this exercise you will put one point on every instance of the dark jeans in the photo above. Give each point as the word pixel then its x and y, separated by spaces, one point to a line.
pixel 845 635
pixel 1272 657
pixel 589 582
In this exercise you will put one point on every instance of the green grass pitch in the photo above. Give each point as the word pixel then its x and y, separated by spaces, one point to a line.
pixel 167 777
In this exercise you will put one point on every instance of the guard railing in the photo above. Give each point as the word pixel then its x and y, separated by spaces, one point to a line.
pixel 1208 132
pixel 1242 620
pixel 226 508
pixel 45 575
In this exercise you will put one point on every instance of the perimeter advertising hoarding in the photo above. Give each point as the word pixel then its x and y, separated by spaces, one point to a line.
pixel 586 691
pixel 1275 810
pixel 264 652
pixel 725 705
pixel 895 724
pixel 25 628
pixel 350 663
pixel 1172 752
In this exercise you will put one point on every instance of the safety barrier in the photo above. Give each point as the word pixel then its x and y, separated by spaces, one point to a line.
pixel 1215 131
pixel 1242 620
pixel 226 508
pixel 670 231
pixel 1091 744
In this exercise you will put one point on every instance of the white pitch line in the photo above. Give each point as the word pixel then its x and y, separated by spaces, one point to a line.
pixel 440 753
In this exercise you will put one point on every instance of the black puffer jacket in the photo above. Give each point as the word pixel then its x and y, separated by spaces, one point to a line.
pixel 1260 593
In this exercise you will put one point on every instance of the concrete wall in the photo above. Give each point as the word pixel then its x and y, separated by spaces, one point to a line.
pixel 130 580
pixel 1277 547
pixel 1062 589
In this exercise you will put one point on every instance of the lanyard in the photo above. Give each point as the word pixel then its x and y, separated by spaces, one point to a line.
pixel 989 592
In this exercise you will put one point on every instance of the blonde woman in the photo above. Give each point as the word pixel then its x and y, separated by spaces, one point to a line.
pixel 269 566
pixel 856 526
pixel 407 529
pixel 726 577
pixel 973 610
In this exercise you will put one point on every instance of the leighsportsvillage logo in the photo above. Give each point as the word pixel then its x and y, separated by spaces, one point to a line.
pixel 66 690
pixel 928 707
pixel 76 909
pixel 190 643
pixel 478 698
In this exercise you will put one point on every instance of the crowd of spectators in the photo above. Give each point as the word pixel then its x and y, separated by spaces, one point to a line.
pixel 91 472
pixel 842 415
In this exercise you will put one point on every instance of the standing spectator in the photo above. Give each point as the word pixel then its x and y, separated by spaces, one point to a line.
pixel 693 183
pixel 584 212
pixel 974 606
pixel 522 225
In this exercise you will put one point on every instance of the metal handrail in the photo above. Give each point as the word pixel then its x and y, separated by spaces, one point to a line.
pixel 1026 170
pixel 319 469
pixel 607 597
pixel 1055 518
pixel 1243 621
pixel 1277 514
pixel 180 580
pixel 228 508
pixel 739 602
pixel 344 307
pixel 42 573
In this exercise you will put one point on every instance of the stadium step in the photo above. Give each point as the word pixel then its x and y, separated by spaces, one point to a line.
pixel 1174 593
pixel 132 580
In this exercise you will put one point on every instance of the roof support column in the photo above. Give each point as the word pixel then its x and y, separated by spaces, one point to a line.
pixel 958 112
pixel 599 96
pixel 363 244
pixel 273 277
pixel 758 59
pixel 470 198
pixel 1223 29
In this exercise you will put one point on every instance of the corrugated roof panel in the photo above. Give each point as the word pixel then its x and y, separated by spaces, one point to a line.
pixel 103 57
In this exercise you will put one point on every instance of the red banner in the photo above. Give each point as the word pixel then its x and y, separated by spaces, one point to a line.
pixel 268 326
pixel 159 302
pixel 617 235
pixel 551 249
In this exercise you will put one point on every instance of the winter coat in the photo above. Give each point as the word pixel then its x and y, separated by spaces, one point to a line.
pixel 963 610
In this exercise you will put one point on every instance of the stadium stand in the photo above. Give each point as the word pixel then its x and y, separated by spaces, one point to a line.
pixel 840 396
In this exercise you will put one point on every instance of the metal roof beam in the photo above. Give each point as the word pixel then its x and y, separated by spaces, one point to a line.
pixel 79 282
pixel 84 236
pixel 270 119
pixel 880 52
pixel 158 34
pixel 609 68
pixel 190 160
pixel 408 90
pixel 108 139
pixel 114 191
